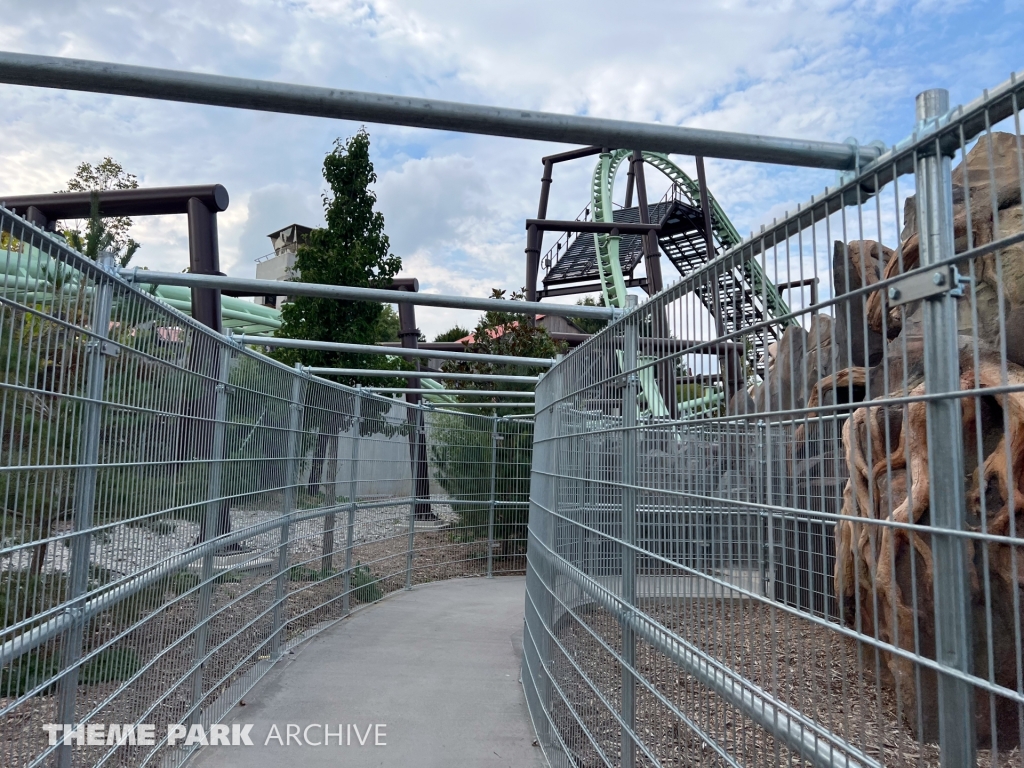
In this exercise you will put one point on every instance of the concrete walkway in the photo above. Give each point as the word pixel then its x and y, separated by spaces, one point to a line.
pixel 436 667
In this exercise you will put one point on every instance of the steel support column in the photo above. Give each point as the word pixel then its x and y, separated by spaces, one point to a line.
pixel 211 524
pixel 732 366
pixel 331 464
pixel 535 237
pixel 84 502
pixel 291 486
pixel 353 490
pixel 665 371
pixel 953 636
pixel 533 241
pixel 629 449
pixel 204 259
pixel 410 336
pixel 652 259
pixel 493 497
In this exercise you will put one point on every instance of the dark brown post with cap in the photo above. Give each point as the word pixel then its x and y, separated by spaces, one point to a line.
pixel 652 259
pixel 204 259
pixel 202 203
pixel 410 337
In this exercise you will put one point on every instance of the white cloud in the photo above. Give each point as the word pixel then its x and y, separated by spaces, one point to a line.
pixel 455 205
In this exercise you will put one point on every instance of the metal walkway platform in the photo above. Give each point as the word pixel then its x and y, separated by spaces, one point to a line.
pixel 439 666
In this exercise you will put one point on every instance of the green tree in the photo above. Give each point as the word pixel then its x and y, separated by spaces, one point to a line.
pixel 388 324
pixel 351 249
pixel 111 232
pixel 590 324
pixel 461 444
pixel 453 334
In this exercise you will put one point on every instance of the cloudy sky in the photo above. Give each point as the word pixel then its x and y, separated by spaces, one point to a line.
pixel 455 205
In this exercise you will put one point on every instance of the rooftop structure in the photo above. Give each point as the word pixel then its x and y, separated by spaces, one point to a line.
pixel 281 264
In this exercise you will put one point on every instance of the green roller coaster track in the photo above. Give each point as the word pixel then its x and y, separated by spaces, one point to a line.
pixel 35 277
pixel 30 276
pixel 613 283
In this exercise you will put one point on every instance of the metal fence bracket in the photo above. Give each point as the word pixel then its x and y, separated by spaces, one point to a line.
pixel 926 284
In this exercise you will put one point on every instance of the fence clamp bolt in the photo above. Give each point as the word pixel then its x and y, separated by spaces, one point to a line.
pixel 926 284
pixel 105 348
pixel 962 281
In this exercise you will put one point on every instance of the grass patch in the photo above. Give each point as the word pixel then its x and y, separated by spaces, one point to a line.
pixel 366 587
pixel 36 669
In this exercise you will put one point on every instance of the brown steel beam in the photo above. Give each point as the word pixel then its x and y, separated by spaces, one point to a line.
pixel 811 281
pixel 572 154
pixel 600 227
pixel 145 201
pixel 572 290
pixel 201 202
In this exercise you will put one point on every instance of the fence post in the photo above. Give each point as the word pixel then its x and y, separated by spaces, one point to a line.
pixel 330 501
pixel 763 520
pixel 417 421
pixel 490 511
pixel 85 497
pixel 290 490
pixel 953 637
pixel 630 343
pixel 211 518
pixel 353 479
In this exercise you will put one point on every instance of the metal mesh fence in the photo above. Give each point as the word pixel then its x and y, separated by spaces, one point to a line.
pixel 816 557
pixel 177 511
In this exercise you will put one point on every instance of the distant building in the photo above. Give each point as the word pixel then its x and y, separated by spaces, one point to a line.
pixel 280 265
pixel 555 324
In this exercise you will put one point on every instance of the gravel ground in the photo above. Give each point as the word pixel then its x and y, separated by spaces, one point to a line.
pixel 811 668
pixel 243 620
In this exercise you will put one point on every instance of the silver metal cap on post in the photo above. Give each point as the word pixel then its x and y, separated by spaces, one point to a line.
pixel 932 104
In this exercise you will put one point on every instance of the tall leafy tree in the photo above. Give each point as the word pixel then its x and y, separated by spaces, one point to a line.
pixel 106 232
pixel 351 249
pixel 590 324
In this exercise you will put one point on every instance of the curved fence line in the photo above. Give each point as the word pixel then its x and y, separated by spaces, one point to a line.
pixel 825 567
pixel 178 511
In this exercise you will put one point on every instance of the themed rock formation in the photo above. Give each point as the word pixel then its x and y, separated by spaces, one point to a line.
pixel 883 575
pixel 874 464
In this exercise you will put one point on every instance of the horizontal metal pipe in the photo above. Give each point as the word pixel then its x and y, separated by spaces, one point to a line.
pixel 504 379
pixel 477 405
pixel 351 293
pixel 573 340
pixel 424 391
pixel 369 349
pixel 266 96
pixel 25 642
pixel 623 227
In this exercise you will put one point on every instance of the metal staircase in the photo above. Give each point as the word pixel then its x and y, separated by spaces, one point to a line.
pixel 739 297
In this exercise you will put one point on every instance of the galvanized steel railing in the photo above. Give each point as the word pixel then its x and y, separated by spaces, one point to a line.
pixel 178 511
pixel 827 567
